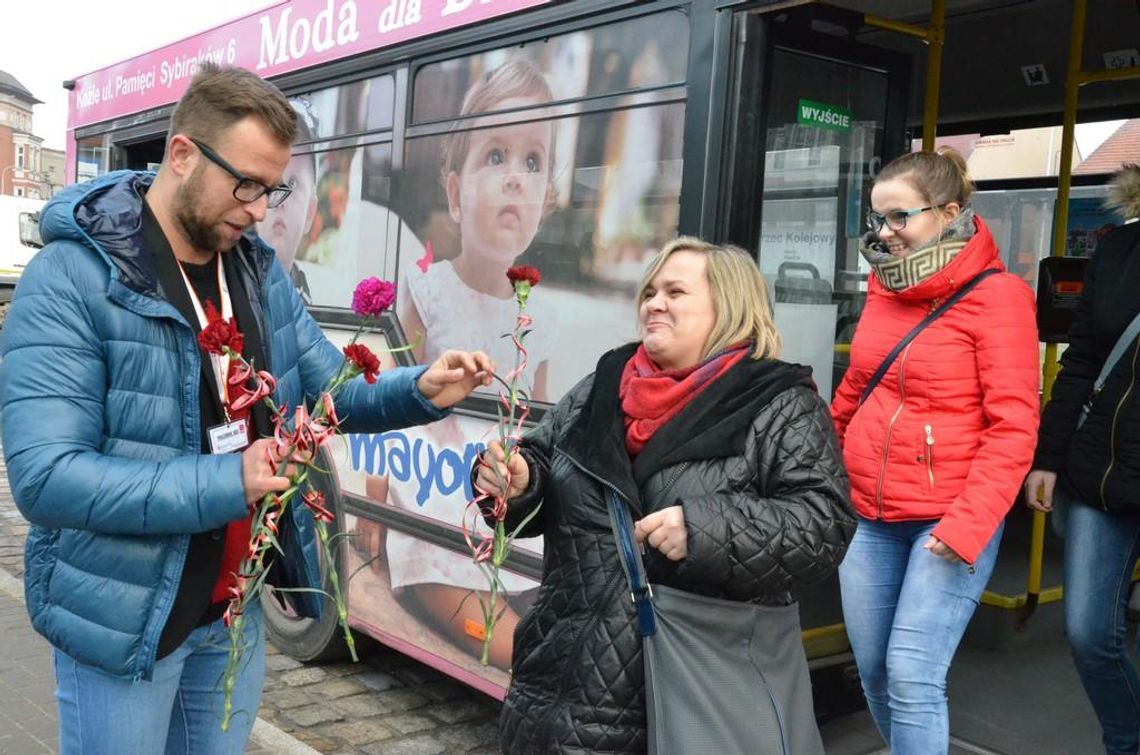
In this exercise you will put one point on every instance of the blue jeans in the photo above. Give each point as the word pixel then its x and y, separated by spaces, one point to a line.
pixel 1100 549
pixel 906 610
pixel 178 711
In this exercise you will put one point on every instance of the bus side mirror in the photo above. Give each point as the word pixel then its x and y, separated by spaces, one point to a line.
pixel 30 230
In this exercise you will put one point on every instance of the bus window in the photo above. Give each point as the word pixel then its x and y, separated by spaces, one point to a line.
pixel 336 228
pixel 94 157
pixel 588 197
pixel 518 167
pixel 605 60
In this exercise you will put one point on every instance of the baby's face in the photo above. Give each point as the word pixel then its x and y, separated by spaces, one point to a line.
pixel 284 226
pixel 502 186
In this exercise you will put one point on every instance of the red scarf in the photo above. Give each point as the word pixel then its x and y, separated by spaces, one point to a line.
pixel 237 531
pixel 651 396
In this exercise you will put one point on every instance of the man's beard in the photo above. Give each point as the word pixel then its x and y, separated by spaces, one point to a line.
pixel 201 233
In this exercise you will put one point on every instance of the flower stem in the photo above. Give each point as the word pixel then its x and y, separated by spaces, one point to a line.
pixel 337 593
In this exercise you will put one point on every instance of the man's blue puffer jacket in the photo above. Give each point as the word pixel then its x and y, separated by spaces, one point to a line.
pixel 99 393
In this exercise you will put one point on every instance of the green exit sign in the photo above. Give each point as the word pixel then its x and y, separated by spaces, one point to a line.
pixel 809 113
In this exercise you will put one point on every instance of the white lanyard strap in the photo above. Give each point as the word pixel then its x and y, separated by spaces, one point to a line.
pixel 221 363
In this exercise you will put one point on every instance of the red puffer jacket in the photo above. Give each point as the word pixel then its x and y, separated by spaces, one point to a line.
pixel 950 430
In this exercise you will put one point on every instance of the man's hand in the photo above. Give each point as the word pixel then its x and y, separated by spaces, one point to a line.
pixel 665 531
pixel 1039 486
pixel 453 376
pixel 259 465
pixel 493 470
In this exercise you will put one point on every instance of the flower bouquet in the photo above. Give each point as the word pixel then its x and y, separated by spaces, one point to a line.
pixel 490 551
pixel 299 434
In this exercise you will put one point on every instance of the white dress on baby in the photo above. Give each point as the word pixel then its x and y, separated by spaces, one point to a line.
pixel 456 317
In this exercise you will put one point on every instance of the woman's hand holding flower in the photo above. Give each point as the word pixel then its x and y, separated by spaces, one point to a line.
pixel 495 469
pixel 665 531
pixel 453 376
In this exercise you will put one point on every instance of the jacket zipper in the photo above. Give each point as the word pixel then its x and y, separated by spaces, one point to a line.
pixel 673 480
pixel 929 454
pixel 611 583
pixel 890 427
pixel 1112 432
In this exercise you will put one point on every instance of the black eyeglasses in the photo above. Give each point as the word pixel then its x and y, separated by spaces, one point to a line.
pixel 246 189
pixel 895 220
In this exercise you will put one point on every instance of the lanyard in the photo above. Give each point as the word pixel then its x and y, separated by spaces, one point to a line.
pixel 220 362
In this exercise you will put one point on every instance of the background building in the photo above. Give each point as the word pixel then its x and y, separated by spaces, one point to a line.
pixel 22 171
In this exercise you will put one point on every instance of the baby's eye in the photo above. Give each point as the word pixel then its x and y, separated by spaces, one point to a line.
pixel 495 157
pixel 533 163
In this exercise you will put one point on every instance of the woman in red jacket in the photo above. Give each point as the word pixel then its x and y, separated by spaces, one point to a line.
pixel 938 447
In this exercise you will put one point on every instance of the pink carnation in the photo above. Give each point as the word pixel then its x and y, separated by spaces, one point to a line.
pixel 372 296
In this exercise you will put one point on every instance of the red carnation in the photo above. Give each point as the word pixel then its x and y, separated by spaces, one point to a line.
pixel 372 296
pixel 219 334
pixel 523 278
pixel 527 273
pixel 363 360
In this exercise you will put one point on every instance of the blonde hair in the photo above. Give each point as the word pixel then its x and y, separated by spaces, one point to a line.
pixel 514 80
pixel 739 294
pixel 939 177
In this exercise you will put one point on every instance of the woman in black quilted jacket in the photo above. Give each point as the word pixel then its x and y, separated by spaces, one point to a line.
pixel 728 462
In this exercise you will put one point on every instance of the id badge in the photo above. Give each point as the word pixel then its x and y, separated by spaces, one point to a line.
pixel 228 437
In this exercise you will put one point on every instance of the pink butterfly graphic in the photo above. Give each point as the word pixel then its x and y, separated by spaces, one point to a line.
pixel 423 262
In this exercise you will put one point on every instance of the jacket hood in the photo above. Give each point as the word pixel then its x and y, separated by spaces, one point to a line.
pixel 1124 192
pixel 105 214
pixel 980 253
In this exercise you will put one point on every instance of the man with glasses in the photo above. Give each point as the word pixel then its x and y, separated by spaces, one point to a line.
pixel 115 424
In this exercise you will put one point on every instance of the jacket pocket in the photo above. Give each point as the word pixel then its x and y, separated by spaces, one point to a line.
pixel 926 454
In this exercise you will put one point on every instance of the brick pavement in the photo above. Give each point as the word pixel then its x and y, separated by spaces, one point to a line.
pixel 388 704
pixel 27 692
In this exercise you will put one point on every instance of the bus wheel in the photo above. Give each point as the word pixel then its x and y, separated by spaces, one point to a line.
pixel 302 638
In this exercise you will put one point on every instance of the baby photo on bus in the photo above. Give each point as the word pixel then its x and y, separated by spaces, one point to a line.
pixel 504 173
pixel 499 182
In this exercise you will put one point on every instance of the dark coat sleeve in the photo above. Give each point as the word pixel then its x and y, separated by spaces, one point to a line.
pixel 1080 364
pixel 791 526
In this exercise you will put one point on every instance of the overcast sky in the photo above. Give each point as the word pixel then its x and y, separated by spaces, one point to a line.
pixel 49 41
pixel 44 42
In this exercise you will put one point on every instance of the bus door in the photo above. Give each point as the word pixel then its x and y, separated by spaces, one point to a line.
pixel 815 115
pixel 812 116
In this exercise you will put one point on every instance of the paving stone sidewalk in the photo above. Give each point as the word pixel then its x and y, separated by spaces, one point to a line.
pixel 388 704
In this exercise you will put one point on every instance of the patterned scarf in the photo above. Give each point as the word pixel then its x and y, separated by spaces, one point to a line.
pixel 898 273
pixel 651 396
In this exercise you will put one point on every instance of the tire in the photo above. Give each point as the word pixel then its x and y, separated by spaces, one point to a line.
pixel 305 639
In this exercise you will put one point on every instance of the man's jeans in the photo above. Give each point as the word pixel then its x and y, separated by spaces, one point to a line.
pixel 1100 550
pixel 906 610
pixel 178 711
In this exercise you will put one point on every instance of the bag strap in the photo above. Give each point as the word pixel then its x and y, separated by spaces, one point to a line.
pixel 1118 349
pixel 639 590
pixel 941 310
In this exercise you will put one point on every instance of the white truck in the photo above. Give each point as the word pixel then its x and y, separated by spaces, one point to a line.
pixel 19 240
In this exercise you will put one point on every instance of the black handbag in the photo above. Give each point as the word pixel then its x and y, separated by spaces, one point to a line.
pixel 721 676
